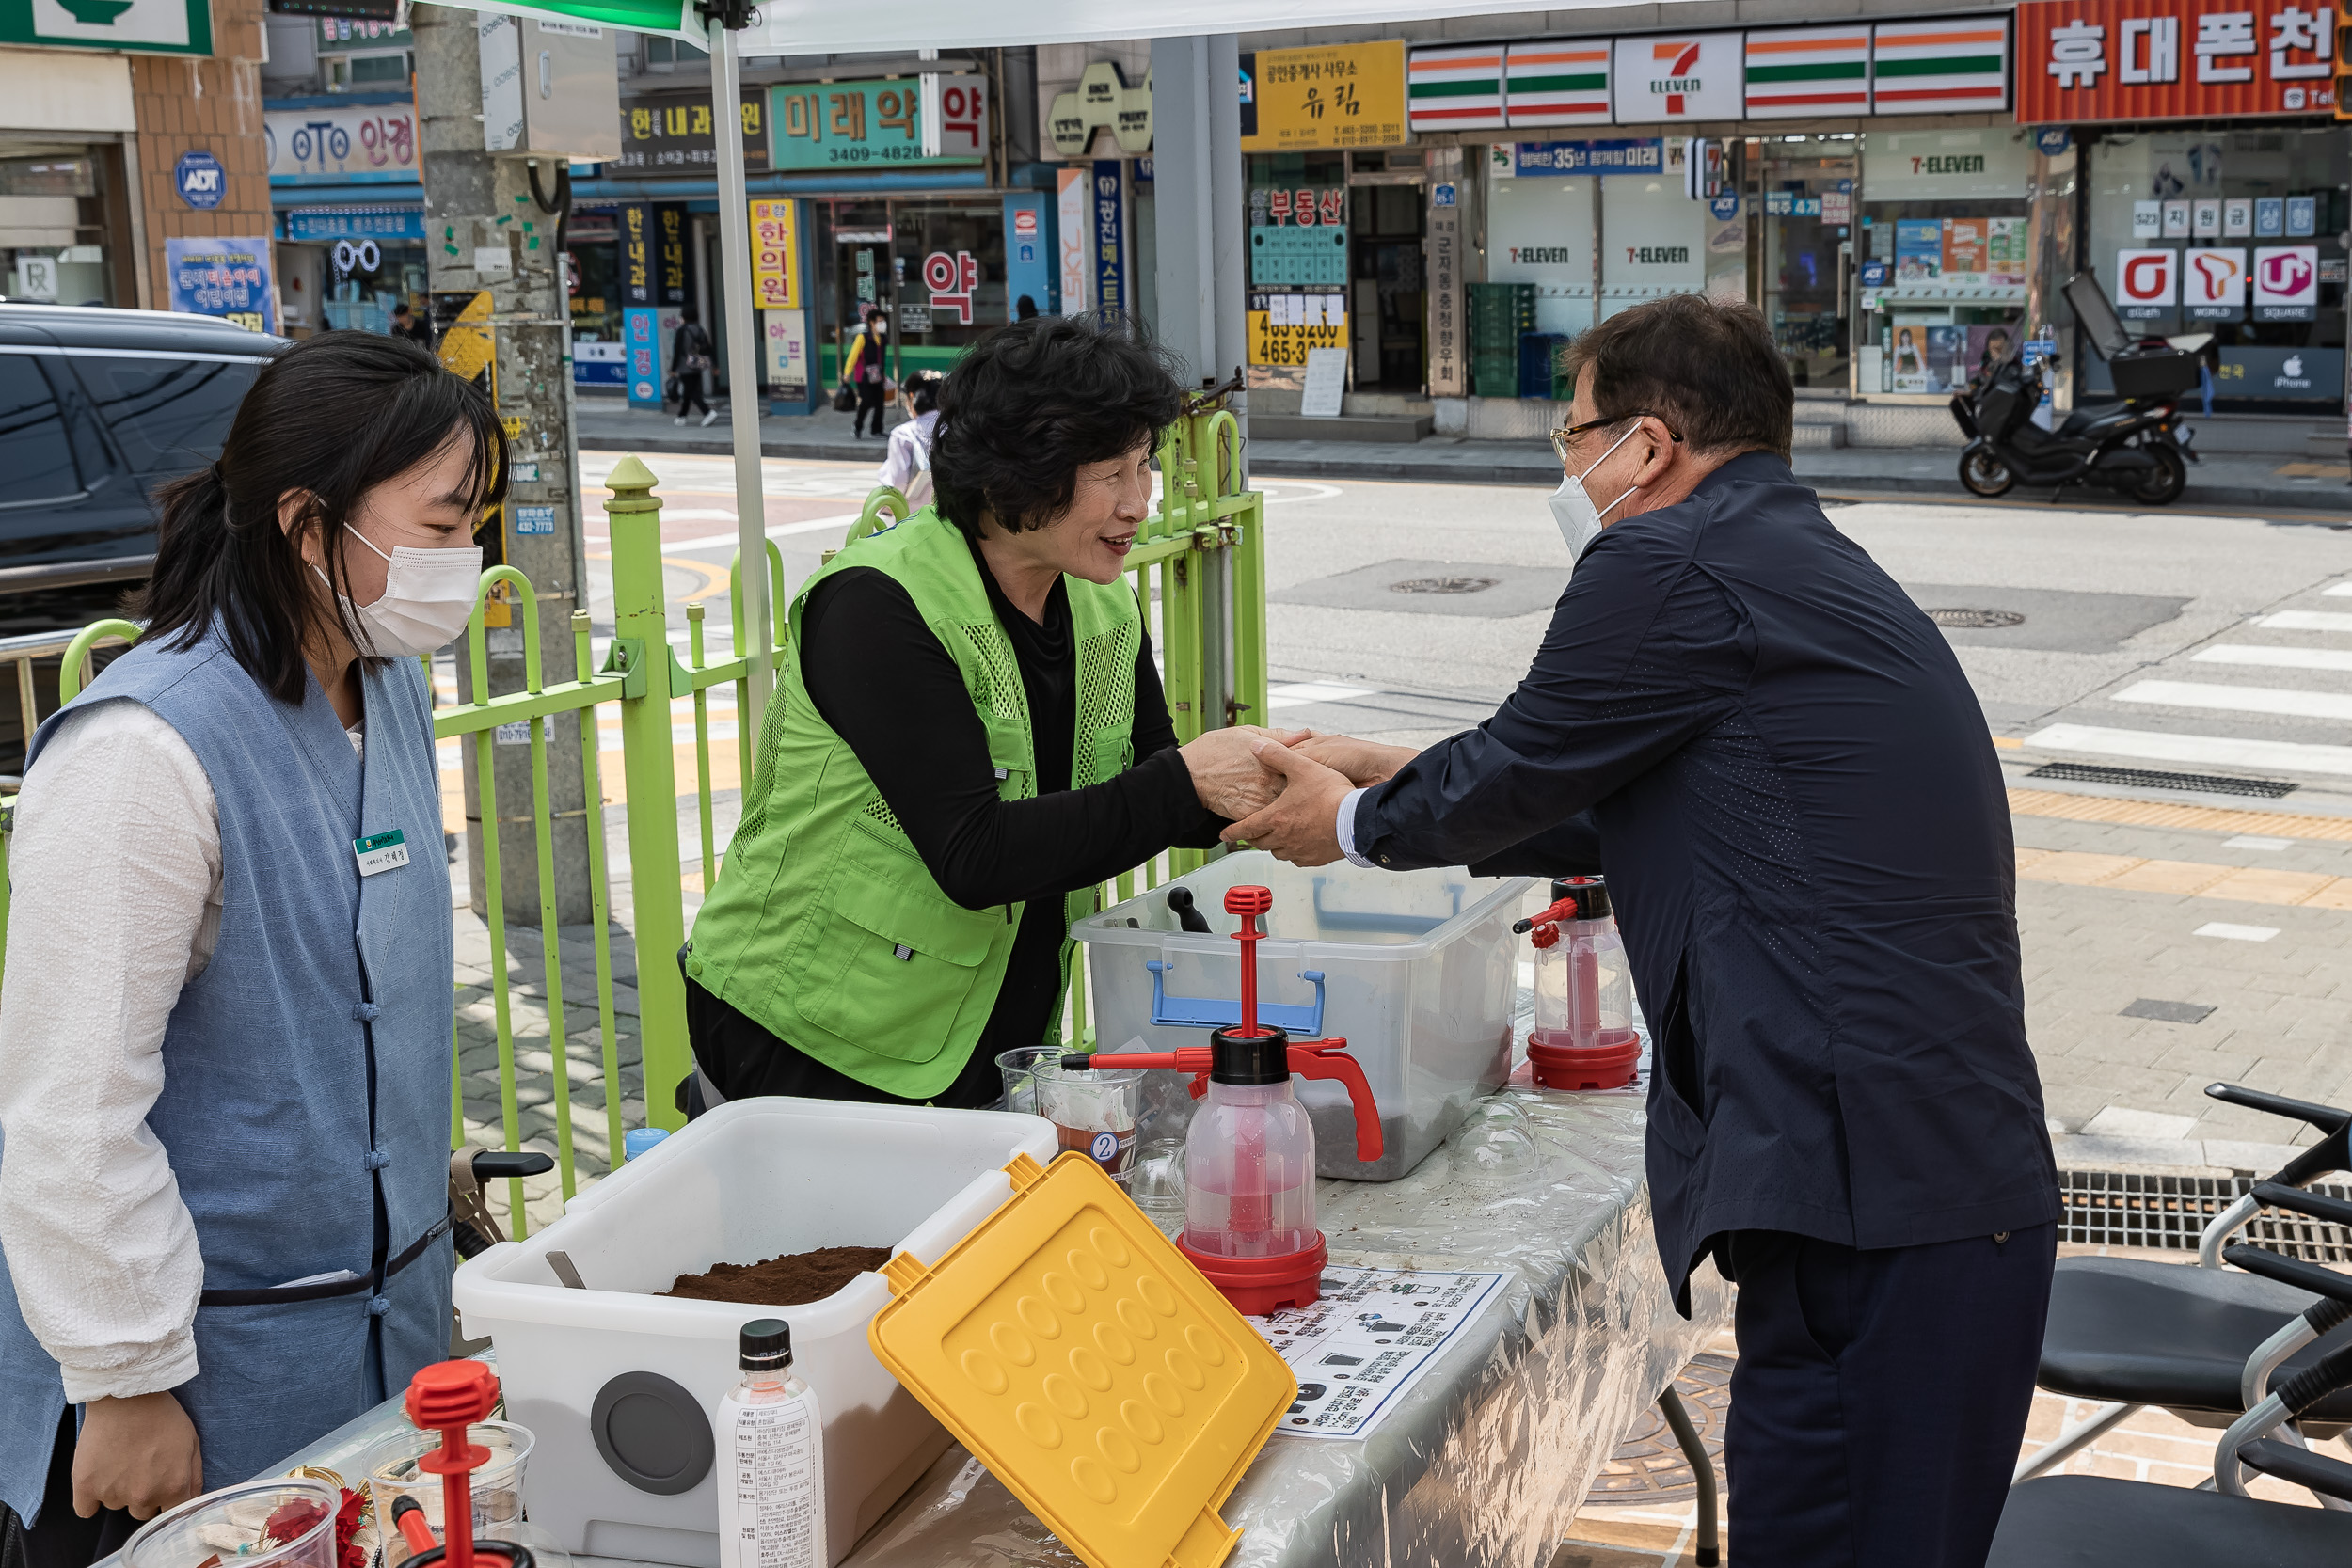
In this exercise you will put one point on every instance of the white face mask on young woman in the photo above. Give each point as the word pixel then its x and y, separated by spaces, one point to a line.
pixel 1573 510
pixel 428 597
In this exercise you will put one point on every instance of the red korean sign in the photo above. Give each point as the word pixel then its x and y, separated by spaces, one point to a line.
pixel 2081 61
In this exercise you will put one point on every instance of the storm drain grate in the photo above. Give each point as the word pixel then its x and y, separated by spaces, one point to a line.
pixel 1443 585
pixel 1976 620
pixel 2145 778
pixel 2107 1208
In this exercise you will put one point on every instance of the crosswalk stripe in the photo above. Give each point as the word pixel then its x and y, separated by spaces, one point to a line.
pixel 2239 699
pixel 2283 658
pixel 2307 620
pixel 2281 756
pixel 1299 693
pixel 2337 591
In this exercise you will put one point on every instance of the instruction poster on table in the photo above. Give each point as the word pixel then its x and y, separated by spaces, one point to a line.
pixel 1369 1339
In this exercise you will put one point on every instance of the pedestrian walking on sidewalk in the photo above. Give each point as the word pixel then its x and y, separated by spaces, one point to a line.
pixel 1773 755
pixel 907 468
pixel 690 356
pixel 863 373
pixel 225 1039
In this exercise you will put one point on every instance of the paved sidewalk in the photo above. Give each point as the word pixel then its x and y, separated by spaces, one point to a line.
pixel 2232 482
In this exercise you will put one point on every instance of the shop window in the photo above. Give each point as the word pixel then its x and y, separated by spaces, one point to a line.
pixel 166 415
pixel 948 271
pixel 1940 258
pixel 345 72
pixel 2236 233
pixel 667 53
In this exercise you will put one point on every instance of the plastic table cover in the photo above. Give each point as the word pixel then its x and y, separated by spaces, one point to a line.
pixel 1488 1457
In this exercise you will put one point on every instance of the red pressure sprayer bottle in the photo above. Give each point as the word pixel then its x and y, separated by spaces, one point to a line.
pixel 1250 1157
pixel 450 1397
pixel 1584 1037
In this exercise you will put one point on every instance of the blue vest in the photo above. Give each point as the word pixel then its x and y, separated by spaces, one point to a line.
pixel 306 1092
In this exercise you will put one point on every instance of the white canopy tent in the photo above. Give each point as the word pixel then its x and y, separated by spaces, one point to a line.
pixel 1198 162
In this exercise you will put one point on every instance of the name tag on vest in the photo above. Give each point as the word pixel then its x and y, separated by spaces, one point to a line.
pixel 380 853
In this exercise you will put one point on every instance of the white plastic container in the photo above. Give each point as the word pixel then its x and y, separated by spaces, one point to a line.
pixel 614 1380
pixel 1419 973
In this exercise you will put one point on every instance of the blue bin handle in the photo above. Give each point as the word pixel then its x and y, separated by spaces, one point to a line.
pixel 1300 1021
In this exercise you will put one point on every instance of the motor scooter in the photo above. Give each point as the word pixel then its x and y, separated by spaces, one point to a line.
pixel 2136 447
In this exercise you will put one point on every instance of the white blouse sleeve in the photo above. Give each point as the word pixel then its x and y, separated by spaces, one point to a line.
pixel 116 873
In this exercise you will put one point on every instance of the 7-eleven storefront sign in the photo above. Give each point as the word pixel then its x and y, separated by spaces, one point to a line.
pixel 1935 65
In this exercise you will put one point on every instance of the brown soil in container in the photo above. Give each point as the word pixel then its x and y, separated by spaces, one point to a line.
pixel 794 1279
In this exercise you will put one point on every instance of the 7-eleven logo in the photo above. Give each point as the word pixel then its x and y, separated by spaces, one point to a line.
pixel 1677 80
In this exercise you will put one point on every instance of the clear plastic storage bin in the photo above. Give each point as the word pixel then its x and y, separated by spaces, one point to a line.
pixel 1418 970
pixel 618 1385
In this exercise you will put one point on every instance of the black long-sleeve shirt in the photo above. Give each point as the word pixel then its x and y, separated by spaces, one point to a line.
pixel 881 679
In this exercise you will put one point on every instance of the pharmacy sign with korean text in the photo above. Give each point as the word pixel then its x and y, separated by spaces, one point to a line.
pixel 834 125
pixel 2081 61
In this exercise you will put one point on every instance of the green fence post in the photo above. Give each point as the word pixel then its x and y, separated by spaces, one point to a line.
pixel 640 650
pixel 599 902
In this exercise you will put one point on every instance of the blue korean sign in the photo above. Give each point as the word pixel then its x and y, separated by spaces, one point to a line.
pixel 1639 155
pixel 225 278
pixel 200 178
pixel 1441 194
pixel 1110 238
pixel 640 331
pixel 325 225
pixel 534 519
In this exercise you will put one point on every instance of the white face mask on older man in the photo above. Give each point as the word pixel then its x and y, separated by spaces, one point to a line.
pixel 1572 509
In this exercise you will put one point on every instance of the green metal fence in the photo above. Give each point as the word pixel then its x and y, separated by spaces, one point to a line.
pixel 1203 511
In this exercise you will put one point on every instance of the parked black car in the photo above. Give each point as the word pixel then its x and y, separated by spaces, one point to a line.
pixel 97 409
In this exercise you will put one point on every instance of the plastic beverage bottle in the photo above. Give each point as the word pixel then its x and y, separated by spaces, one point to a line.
pixel 772 1453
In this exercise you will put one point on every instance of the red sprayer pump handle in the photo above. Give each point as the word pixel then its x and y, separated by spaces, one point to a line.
pixel 1564 909
pixel 1323 1058
pixel 449 1397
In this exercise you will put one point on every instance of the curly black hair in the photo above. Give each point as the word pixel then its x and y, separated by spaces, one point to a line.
pixel 1031 402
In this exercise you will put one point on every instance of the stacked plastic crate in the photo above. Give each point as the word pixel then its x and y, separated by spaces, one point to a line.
pixel 1500 313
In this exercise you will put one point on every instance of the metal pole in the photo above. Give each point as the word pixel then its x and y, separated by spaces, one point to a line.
pixel 750 510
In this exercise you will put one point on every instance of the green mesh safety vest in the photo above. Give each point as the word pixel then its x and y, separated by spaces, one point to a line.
pixel 825 926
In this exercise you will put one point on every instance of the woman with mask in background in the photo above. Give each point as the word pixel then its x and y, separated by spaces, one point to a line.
pixel 225 1038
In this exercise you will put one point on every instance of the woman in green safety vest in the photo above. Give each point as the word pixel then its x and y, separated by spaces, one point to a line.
pixel 968 736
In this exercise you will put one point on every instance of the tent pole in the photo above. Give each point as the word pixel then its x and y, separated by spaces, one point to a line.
pixel 743 371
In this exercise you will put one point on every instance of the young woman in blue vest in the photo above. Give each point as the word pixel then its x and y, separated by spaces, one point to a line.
pixel 969 737
pixel 225 1038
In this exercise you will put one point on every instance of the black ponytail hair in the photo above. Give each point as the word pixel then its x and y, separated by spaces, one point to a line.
pixel 923 389
pixel 332 417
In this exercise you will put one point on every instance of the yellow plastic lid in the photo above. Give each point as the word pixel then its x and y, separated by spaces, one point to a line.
pixel 1068 1344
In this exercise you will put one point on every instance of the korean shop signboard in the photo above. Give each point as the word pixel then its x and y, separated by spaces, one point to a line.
pixel 834 125
pixel 1344 95
pixel 2088 60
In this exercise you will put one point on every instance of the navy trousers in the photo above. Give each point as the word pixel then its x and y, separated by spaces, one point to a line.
pixel 1880 1397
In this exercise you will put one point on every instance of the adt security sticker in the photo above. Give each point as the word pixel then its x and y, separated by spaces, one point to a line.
pixel 381 852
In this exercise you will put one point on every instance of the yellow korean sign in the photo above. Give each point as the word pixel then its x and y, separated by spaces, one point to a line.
pixel 1288 326
pixel 776 255
pixel 1347 95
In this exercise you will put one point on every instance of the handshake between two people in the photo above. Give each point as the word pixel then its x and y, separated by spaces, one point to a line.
pixel 1280 789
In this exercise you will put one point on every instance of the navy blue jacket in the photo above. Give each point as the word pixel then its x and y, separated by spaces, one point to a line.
pixel 1807 841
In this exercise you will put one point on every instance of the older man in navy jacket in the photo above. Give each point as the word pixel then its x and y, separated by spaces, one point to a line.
pixel 1792 792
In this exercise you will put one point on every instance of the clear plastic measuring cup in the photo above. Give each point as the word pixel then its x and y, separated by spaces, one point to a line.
pixel 1093 1111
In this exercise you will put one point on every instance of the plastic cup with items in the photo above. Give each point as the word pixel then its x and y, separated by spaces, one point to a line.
pixel 1092 1112
pixel 262 1524
pixel 396 1480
